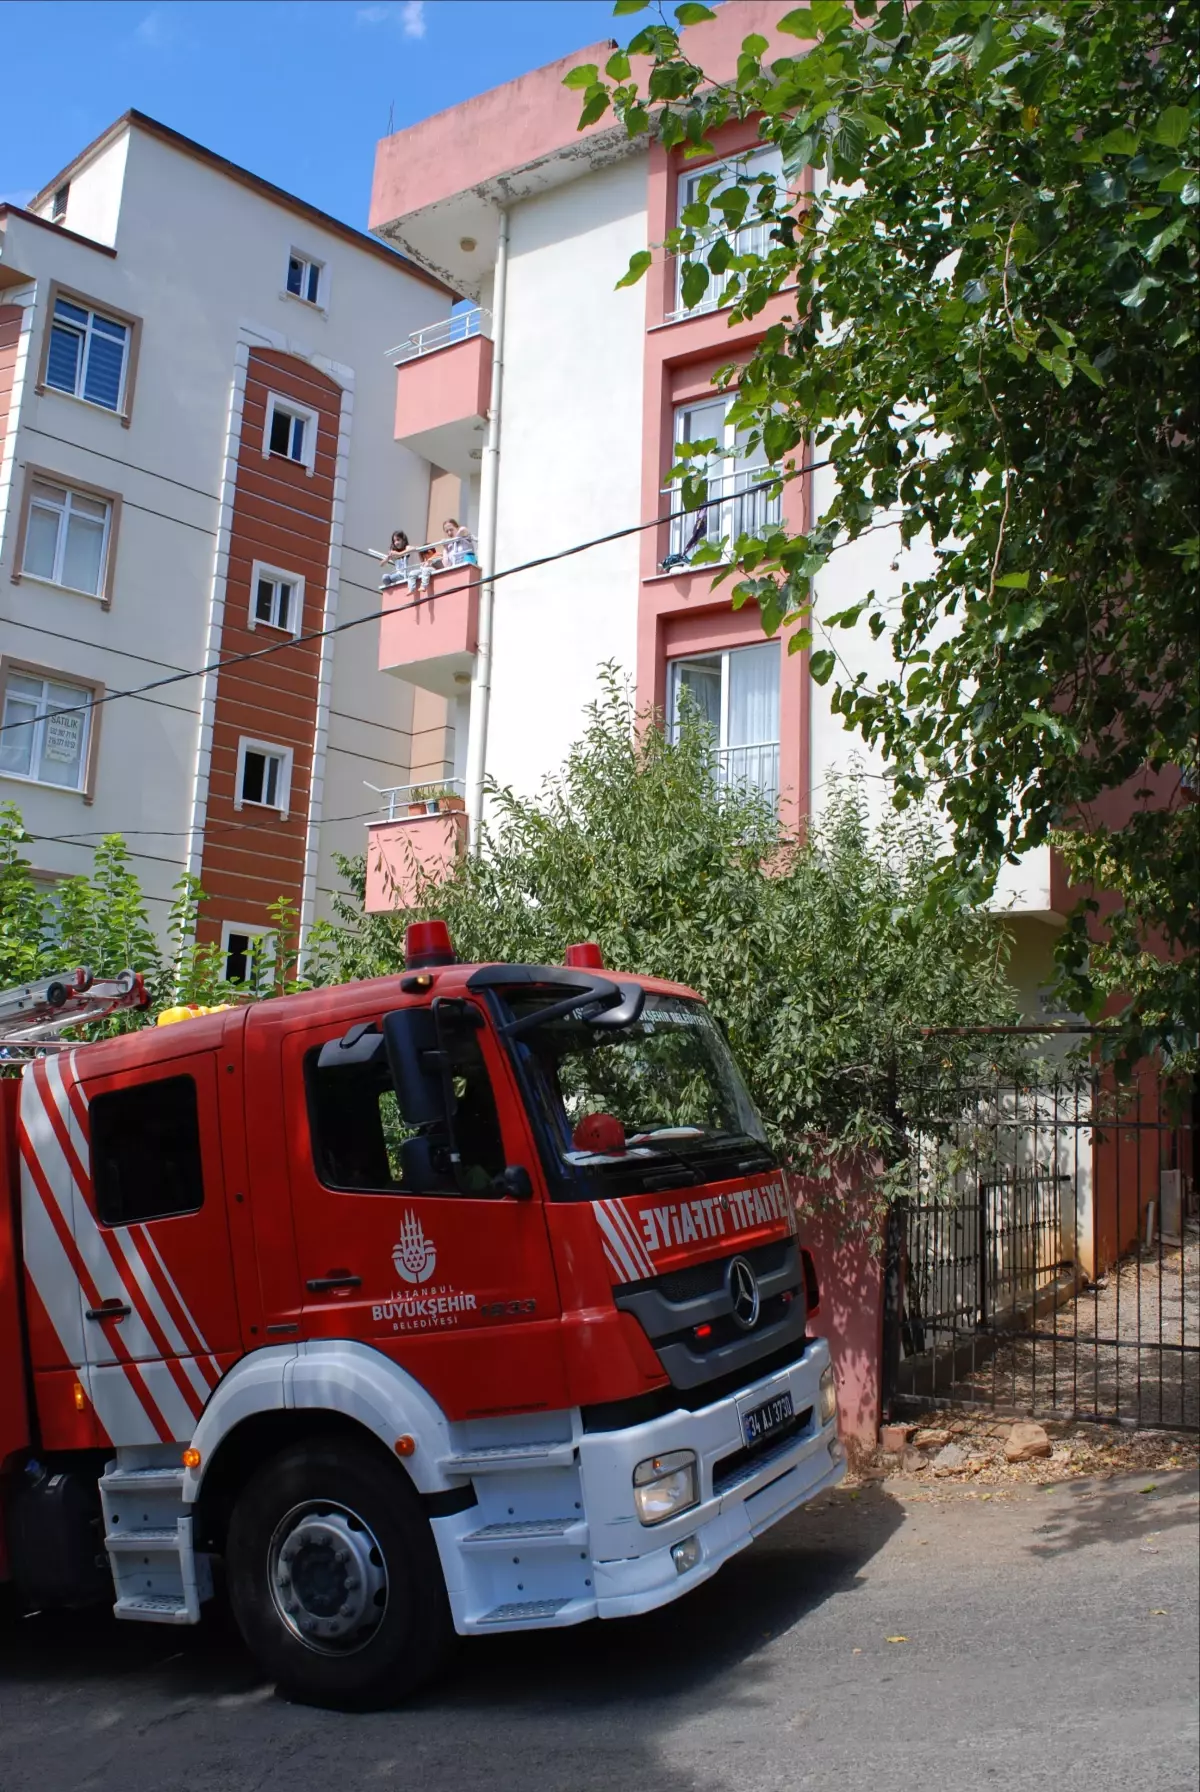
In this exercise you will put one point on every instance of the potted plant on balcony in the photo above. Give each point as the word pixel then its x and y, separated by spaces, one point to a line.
pixel 434 799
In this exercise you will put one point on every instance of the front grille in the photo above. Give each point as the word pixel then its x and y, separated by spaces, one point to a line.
pixel 741 1464
pixel 707 1278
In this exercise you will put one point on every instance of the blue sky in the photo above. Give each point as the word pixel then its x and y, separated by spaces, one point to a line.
pixel 298 91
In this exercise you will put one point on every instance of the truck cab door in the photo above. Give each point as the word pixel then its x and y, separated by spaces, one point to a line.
pixel 160 1321
pixel 442 1270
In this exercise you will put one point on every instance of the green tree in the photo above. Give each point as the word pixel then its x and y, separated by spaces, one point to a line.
pixel 99 919
pixel 819 957
pixel 992 339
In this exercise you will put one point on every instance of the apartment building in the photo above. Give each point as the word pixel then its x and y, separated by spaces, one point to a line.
pixel 503 198
pixel 197 451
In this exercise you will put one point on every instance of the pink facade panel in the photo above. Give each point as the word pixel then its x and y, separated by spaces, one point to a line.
pixel 849 1264
pixel 449 386
pixel 400 854
pixel 440 624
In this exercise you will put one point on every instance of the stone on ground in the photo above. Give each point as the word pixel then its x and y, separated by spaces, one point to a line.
pixel 1024 1442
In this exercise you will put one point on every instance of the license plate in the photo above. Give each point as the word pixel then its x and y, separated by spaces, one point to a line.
pixel 762 1422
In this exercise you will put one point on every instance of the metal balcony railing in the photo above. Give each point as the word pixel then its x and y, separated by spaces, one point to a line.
pixel 732 508
pixel 751 239
pixel 460 326
pixel 395 801
pixel 754 767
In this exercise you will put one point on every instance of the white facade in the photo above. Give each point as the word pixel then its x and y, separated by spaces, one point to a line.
pixel 201 260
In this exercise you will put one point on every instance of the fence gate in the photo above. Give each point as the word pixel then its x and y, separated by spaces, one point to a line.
pixel 1046 1257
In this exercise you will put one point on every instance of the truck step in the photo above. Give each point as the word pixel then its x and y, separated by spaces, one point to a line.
pixel 523 1611
pixel 143 1480
pixel 150 1539
pixel 493 1458
pixel 154 1608
pixel 532 1530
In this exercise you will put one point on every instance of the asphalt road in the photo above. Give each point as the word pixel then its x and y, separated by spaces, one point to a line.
pixel 1051 1641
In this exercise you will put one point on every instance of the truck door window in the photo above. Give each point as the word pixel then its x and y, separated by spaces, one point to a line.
pixel 361 1138
pixel 146 1152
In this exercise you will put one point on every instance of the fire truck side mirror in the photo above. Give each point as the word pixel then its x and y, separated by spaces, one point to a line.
pixel 515 1182
pixel 414 1061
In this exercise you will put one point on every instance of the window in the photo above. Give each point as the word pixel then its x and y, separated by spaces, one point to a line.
pixel 66 538
pixel 246 958
pixel 276 598
pixel 362 1140
pixel 304 277
pixel 733 470
pixel 291 431
pixel 40 742
pixel 736 693
pixel 87 354
pixel 263 775
pixel 754 236
pixel 146 1152
pixel 58 205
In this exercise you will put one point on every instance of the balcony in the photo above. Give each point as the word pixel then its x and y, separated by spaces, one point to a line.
pixel 736 505
pixel 443 383
pixel 430 637
pixel 416 838
pixel 752 769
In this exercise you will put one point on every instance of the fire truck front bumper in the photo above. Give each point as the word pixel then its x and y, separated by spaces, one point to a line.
pixel 743 1487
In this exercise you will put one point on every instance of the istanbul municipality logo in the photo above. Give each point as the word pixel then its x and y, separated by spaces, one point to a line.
pixel 414 1256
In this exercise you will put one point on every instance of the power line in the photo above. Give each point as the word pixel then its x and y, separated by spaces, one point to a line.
pixel 321 634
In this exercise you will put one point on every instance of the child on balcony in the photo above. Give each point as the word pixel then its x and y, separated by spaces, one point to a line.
pixel 395 562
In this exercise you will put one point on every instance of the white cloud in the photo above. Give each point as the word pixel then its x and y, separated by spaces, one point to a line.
pixel 153 31
pixel 371 15
pixel 412 18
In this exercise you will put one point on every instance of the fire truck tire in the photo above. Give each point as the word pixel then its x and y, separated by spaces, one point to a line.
pixel 334 1578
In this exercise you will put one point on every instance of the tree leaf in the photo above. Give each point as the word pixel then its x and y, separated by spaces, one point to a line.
pixel 595 106
pixel 581 76
pixel 1121 142
pixel 622 8
pixel 798 23
pixel 1172 126
pixel 617 66
pixel 821 665
pixel 1013 581
pixel 639 261
pixel 691 13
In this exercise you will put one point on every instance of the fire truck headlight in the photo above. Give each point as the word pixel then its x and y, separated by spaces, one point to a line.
pixel 665 1485
pixel 828 1396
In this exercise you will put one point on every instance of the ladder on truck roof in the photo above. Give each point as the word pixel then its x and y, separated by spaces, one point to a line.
pixel 32 1015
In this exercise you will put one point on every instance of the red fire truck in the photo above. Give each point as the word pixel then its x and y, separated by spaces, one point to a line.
pixel 465 1300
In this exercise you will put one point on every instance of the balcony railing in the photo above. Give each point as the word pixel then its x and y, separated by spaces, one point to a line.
pixel 733 507
pixel 754 768
pixel 400 799
pixel 751 239
pixel 460 326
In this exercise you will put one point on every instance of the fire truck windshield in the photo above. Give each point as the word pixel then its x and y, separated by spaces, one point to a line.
pixel 627 1107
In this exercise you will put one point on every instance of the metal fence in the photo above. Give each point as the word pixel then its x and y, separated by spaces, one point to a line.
pixel 1045 1255
pixel 736 505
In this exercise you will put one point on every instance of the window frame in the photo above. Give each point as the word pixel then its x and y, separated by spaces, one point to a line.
pixel 728 504
pixel 275 750
pixel 262 569
pixel 10 664
pixel 56 291
pixel 723 747
pixel 46 475
pixel 291 407
pixel 253 930
pixel 688 177
pixel 311 264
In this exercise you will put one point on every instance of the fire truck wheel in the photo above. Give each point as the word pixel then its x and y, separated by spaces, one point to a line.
pixel 334 1578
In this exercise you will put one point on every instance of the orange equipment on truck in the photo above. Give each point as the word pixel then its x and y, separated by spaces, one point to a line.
pixel 465 1300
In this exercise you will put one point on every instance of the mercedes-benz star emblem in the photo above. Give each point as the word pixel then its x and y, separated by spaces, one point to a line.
pixel 742 1283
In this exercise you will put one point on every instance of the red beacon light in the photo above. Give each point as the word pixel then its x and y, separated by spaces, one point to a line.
pixel 586 956
pixel 427 943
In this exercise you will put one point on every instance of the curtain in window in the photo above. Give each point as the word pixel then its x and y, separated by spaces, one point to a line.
pixel 83 554
pixel 754 694
pixel 701 679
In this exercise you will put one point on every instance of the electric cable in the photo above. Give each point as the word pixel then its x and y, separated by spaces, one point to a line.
pixel 338 628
